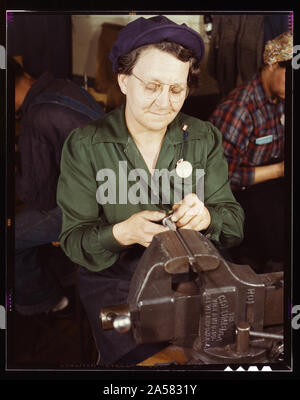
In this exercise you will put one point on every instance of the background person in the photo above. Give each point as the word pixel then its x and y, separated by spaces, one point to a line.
pixel 156 61
pixel 48 110
pixel 252 121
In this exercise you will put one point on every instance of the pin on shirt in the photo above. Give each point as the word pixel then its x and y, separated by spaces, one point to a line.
pixel 184 168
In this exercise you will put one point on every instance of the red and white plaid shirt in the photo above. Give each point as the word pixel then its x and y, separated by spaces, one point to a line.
pixel 252 125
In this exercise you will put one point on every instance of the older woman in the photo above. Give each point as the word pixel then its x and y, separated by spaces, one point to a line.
pixel 109 189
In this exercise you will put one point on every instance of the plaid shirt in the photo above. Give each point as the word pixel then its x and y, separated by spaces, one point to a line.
pixel 253 130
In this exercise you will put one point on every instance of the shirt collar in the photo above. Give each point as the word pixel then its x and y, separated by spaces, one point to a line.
pixel 112 128
pixel 260 94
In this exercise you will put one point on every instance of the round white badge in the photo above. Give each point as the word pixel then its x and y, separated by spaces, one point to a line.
pixel 183 168
pixel 282 119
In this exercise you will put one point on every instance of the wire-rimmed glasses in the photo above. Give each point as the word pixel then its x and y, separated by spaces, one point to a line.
pixel 153 90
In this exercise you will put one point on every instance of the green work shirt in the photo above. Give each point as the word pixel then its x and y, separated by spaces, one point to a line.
pixel 86 235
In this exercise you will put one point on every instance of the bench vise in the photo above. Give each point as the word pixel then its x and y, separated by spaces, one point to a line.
pixel 184 292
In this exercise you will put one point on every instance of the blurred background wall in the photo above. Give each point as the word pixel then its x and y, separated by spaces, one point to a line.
pixel 77 47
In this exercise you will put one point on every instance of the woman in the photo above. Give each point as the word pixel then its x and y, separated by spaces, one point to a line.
pixel 107 226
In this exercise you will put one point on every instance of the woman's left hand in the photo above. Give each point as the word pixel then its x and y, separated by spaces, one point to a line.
pixel 191 213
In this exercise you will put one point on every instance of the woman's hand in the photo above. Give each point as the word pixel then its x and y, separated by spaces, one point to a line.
pixel 191 213
pixel 139 228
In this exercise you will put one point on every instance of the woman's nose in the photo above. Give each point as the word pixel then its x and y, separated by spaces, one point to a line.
pixel 163 99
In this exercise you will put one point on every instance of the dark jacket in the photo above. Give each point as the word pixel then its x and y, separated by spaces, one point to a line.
pixel 235 49
pixel 43 130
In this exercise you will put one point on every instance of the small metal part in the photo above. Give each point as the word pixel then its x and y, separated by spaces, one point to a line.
pixel 193 265
pixel 277 352
pixel 266 335
pixel 242 337
pixel 122 323
pixel 168 222
pixel 109 314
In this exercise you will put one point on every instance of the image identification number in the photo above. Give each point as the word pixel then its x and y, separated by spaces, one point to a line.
pixel 171 389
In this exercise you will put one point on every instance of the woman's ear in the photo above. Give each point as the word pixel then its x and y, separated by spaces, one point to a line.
pixel 123 80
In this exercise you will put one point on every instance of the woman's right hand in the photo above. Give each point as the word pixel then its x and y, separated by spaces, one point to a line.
pixel 139 228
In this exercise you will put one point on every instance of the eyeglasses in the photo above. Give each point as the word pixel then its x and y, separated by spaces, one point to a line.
pixel 153 90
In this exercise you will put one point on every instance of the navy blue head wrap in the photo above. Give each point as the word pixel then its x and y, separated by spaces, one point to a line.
pixel 145 31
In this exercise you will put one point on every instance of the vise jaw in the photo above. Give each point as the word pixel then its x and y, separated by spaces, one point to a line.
pixel 200 301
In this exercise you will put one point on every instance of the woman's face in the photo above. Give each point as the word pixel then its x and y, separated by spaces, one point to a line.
pixel 146 112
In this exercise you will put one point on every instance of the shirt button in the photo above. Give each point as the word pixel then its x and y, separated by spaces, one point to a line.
pixel 244 187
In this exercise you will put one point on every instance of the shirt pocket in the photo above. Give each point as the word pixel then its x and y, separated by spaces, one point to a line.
pixel 260 148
